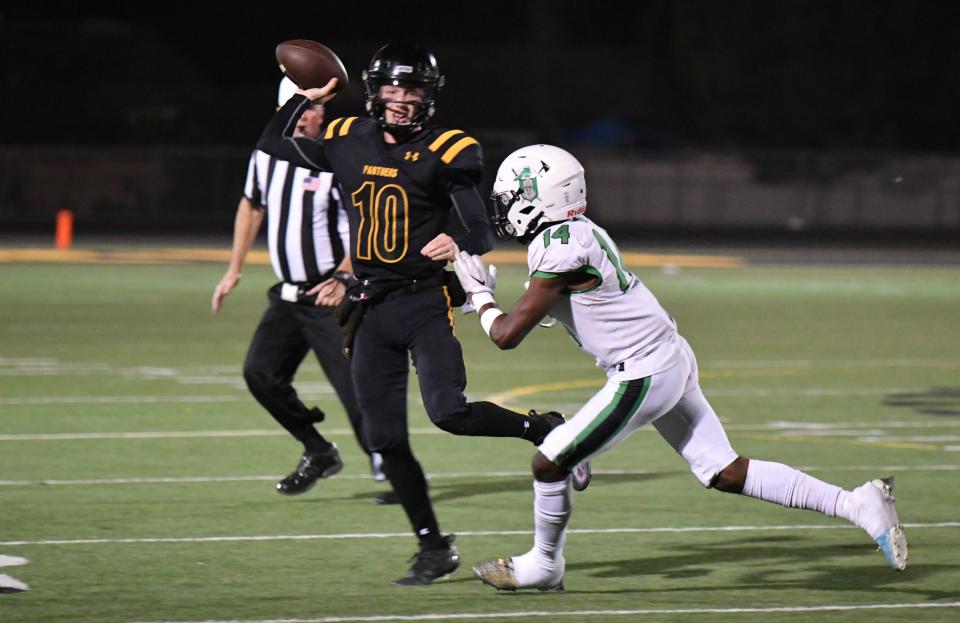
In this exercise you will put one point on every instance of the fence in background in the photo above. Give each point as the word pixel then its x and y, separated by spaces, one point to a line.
pixel 196 190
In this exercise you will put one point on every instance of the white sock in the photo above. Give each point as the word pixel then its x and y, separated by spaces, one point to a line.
pixel 552 503
pixel 10 584
pixel 787 486
pixel 12 561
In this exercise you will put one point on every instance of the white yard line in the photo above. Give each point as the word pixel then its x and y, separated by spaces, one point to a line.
pixel 579 614
pixel 880 469
pixel 480 533
pixel 784 427
pixel 102 400
pixel 160 434
pixel 322 390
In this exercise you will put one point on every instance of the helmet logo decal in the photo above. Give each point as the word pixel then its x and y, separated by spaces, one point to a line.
pixel 528 181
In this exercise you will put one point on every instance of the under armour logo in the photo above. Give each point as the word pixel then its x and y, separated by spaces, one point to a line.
pixel 412 155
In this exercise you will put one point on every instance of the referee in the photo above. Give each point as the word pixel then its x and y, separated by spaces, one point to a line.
pixel 309 246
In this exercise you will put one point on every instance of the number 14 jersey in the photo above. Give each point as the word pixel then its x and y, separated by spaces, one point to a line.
pixel 617 320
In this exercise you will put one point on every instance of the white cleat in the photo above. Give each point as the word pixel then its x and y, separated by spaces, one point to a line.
pixel 499 574
pixel 877 515
pixel 582 474
pixel 9 584
pixel 12 561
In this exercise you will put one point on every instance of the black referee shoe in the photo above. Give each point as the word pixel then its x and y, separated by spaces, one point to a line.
pixel 312 467
pixel 431 564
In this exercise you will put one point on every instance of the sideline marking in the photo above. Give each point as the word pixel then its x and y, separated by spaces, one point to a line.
pixel 452 616
pixel 444 475
pixel 406 535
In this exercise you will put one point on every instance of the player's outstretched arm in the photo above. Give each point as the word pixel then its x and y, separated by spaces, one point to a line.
pixel 277 138
pixel 506 329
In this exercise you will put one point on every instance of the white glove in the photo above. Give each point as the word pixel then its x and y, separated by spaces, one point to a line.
pixel 474 275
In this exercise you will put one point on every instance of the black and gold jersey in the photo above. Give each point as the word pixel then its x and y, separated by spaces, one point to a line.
pixel 398 196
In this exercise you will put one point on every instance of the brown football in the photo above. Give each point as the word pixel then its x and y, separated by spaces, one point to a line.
pixel 310 64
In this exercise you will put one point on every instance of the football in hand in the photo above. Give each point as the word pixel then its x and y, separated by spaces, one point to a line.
pixel 310 64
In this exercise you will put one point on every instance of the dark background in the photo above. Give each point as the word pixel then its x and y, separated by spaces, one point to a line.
pixel 649 74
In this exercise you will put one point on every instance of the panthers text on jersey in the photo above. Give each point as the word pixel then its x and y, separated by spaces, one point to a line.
pixel 617 320
pixel 398 196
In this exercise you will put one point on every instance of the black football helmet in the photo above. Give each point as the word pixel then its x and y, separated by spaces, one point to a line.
pixel 401 63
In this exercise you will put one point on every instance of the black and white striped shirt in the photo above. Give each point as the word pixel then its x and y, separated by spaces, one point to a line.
pixel 307 229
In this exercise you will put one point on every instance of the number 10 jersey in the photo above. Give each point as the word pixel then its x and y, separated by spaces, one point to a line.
pixel 398 197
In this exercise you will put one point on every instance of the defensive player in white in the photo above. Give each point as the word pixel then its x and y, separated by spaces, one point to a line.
pixel 577 277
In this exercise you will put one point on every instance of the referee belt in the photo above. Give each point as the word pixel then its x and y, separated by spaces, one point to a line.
pixel 294 292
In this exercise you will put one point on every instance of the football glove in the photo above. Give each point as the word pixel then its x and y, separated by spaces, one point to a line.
pixel 474 275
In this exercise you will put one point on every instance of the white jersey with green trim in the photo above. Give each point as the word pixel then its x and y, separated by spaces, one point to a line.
pixel 618 320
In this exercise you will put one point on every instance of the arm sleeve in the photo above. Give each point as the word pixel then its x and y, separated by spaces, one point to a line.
pixel 277 138
pixel 343 221
pixel 477 237
pixel 461 176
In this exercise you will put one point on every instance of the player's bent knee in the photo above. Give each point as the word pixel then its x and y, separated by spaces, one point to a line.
pixel 546 470
pixel 732 478
pixel 384 438
pixel 459 423
pixel 383 443
pixel 455 426
pixel 257 380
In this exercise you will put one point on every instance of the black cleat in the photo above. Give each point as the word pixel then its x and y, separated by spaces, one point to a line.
pixel 551 419
pixel 431 564
pixel 312 467
pixel 386 497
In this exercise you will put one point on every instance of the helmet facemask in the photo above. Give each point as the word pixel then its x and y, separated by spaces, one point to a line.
pixel 377 104
pixel 409 66
pixel 510 217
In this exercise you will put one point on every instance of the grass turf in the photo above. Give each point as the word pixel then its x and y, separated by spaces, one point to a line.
pixel 850 372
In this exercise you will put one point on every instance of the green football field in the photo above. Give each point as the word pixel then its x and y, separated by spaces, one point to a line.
pixel 137 474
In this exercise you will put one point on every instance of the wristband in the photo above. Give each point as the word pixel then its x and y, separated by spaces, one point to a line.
pixel 479 299
pixel 486 320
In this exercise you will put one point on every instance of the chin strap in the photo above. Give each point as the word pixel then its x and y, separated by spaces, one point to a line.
pixel 400 132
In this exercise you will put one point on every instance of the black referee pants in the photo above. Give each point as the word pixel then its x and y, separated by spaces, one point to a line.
pixel 287 331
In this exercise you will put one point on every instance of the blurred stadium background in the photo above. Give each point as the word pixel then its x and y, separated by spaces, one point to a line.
pixel 797 120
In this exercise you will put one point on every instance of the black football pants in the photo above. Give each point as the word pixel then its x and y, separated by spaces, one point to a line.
pixel 286 333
